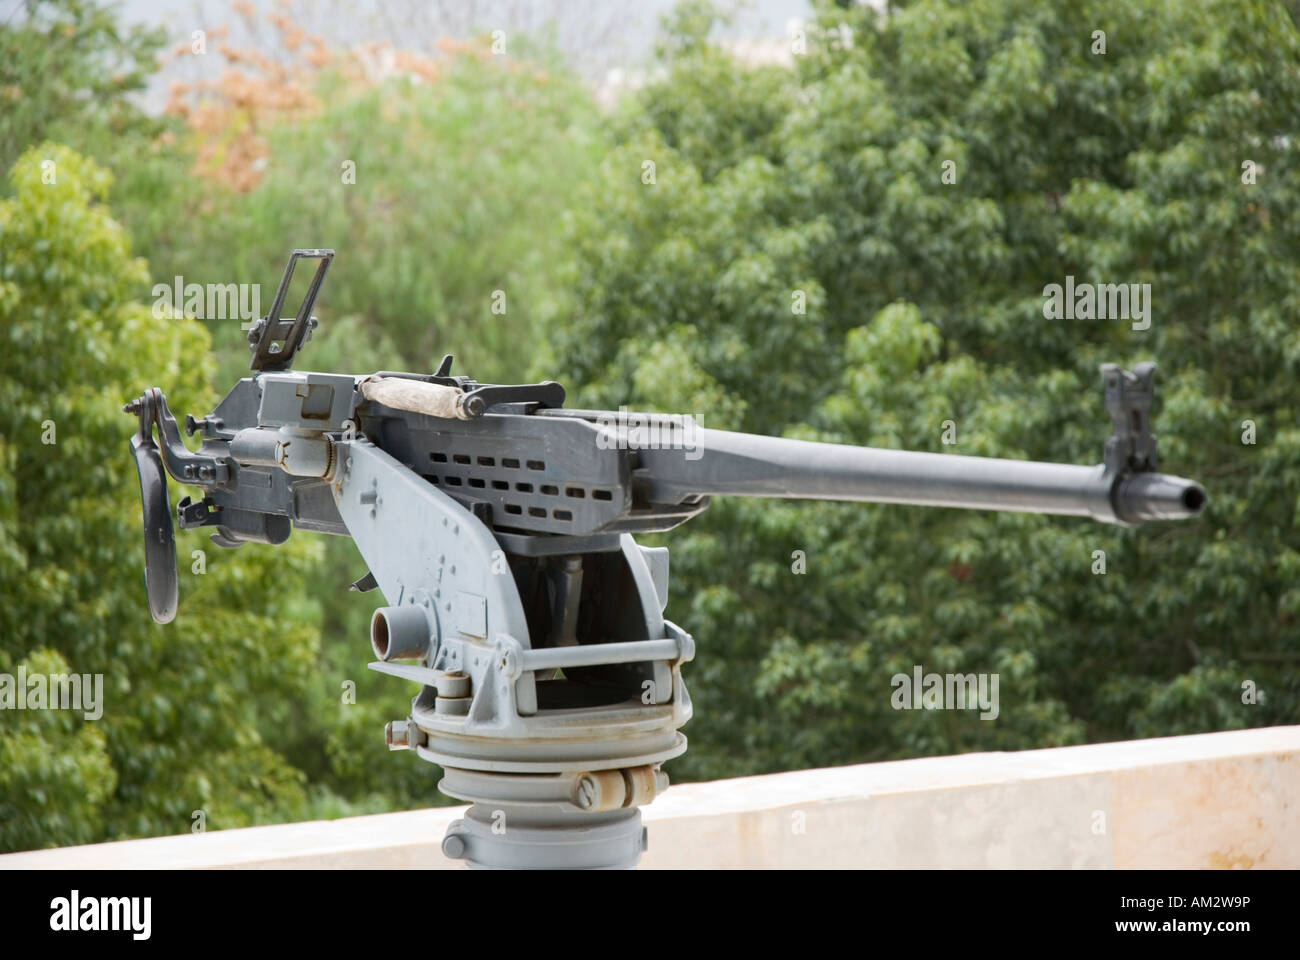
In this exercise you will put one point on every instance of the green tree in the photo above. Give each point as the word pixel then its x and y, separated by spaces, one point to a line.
pixel 67 72
pixel 453 190
pixel 812 272
pixel 181 707
pixel 442 199
pixel 456 185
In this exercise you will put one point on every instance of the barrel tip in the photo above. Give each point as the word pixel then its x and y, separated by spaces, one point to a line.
pixel 1158 496
pixel 1194 499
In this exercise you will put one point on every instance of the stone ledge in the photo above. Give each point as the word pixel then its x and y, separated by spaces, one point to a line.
pixel 1217 800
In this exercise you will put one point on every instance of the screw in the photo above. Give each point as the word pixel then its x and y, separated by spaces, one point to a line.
pixel 585 795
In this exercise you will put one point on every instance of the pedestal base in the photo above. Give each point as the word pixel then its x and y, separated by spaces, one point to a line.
pixel 532 838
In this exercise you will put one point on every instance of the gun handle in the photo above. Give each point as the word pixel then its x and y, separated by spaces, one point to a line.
pixel 160 577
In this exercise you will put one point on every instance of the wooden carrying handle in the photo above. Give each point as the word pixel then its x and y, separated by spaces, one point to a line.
pixel 417 396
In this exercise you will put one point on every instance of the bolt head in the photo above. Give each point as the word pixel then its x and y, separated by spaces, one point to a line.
pixel 396 734
pixel 453 846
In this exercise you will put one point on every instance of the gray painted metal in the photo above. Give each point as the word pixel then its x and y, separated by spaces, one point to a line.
pixel 548 681
pixel 603 653
pixel 518 838
pixel 734 464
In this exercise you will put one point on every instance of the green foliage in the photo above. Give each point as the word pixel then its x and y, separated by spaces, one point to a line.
pixel 790 262
pixel 181 706
pixel 66 70
pixel 459 184
pixel 923 304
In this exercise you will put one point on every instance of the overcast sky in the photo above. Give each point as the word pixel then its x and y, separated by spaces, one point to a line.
pixel 635 21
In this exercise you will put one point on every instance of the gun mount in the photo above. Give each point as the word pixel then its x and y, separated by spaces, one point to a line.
pixel 498 526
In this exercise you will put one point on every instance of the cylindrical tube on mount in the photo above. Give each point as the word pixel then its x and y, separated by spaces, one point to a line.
pixel 256 447
pixel 746 465
pixel 401 633
pixel 297 453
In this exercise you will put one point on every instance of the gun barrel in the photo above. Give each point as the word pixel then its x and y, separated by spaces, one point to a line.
pixel 721 463
pixel 1159 496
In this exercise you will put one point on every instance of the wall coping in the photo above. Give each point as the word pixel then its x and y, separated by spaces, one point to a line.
pixel 1226 799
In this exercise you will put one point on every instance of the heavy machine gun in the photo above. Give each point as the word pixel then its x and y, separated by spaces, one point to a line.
pixel 498 526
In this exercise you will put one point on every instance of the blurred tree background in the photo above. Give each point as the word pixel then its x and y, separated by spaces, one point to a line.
pixel 852 247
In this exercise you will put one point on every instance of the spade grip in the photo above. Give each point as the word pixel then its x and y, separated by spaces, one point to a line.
pixel 160 577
